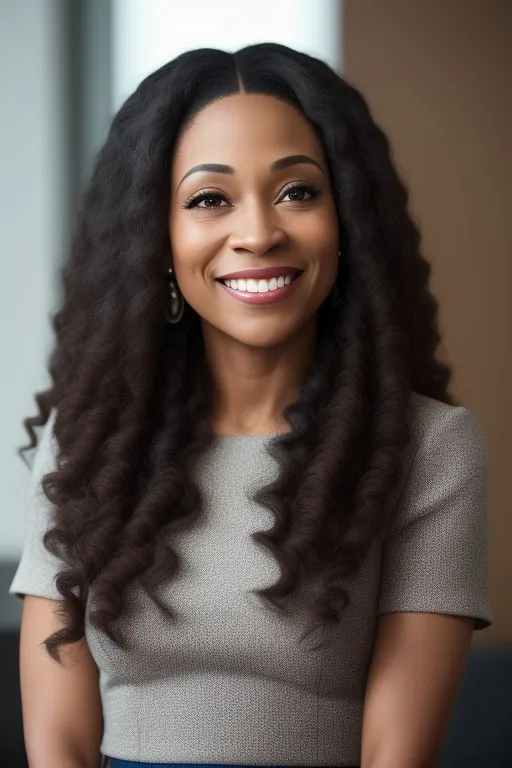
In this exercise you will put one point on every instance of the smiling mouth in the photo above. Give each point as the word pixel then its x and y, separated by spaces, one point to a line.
pixel 261 287
pixel 257 281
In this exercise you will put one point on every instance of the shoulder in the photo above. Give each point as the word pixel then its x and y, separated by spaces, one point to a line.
pixel 447 431
pixel 45 455
pixel 436 552
pixel 446 467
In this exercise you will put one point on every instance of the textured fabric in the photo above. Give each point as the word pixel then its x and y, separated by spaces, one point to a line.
pixel 226 680
pixel 114 763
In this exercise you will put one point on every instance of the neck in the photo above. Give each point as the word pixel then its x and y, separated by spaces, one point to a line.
pixel 253 385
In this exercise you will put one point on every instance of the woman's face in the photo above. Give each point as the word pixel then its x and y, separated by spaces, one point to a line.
pixel 253 227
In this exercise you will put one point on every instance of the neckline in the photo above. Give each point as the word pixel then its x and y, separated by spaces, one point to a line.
pixel 235 438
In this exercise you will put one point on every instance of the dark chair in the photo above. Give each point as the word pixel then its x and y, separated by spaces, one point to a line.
pixel 12 751
pixel 480 732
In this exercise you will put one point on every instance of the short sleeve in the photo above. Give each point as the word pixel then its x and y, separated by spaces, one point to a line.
pixel 38 568
pixel 436 550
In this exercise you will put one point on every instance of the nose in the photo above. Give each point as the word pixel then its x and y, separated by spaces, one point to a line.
pixel 256 230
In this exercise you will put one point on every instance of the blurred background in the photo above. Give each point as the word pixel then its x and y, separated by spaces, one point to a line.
pixel 437 76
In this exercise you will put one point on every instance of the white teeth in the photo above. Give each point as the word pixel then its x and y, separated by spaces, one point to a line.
pixel 259 286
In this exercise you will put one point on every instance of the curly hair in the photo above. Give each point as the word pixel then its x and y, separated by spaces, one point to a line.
pixel 132 392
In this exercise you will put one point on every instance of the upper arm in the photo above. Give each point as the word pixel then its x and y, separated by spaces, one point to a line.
pixel 61 704
pixel 436 553
pixel 417 667
pixel 434 592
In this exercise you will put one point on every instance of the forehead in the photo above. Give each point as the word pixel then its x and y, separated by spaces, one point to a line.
pixel 244 128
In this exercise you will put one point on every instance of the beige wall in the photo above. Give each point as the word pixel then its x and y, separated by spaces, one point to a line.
pixel 437 75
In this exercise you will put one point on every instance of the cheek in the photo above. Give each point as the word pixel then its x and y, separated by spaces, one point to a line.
pixel 184 236
pixel 190 248
pixel 320 226
pixel 322 239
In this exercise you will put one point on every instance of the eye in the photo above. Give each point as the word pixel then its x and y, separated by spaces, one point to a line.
pixel 299 193
pixel 207 200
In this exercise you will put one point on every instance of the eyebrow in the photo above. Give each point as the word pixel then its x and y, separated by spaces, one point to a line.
pixel 277 165
pixel 287 162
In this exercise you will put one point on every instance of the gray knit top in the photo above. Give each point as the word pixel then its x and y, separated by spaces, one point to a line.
pixel 227 680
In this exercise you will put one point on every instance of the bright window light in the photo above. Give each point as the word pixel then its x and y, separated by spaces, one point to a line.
pixel 148 33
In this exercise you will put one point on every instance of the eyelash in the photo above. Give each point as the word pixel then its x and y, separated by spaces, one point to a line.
pixel 213 194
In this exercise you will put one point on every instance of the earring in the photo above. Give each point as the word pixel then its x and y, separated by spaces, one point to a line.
pixel 335 294
pixel 176 306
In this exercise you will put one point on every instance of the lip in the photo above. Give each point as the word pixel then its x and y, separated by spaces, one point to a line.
pixel 266 273
pixel 262 299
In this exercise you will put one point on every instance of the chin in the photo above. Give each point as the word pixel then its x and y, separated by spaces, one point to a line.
pixel 267 340
pixel 260 332
pixel 264 335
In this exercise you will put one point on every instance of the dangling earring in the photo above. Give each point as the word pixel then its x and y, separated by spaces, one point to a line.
pixel 176 306
pixel 335 294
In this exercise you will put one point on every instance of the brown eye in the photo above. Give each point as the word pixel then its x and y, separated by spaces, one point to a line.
pixel 299 193
pixel 207 200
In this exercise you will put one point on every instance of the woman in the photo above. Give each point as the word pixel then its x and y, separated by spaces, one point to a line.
pixel 249 445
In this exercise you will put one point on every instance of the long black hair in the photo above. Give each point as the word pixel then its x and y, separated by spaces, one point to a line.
pixel 132 392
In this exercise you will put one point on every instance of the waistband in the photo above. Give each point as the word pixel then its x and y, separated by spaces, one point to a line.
pixel 116 763
pixel 113 762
